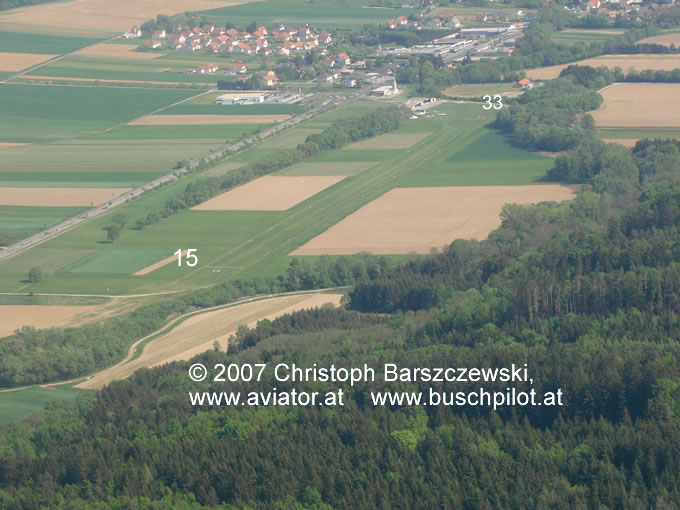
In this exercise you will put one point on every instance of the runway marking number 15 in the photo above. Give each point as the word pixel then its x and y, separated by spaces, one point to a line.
pixel 190 257
pixel 490 104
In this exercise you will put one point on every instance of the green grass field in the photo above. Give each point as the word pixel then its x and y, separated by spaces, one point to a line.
pixel 639 133
pixel 32 42
pixel 320 13
pixel 97 163
pixel 224 132
pixel 459 151
pixel 22 222
pixel 30 113
pixel 16 406
pixel 584 36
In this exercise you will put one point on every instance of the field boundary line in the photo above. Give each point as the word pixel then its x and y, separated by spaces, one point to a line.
pixel 55 59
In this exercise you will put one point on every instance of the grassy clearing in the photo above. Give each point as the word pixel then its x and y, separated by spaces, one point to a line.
pixel 16 406
pixel 49 259
pixel 21 222
pixel 480 89
pixel 321 13
pixel 52 300
pixel 288 139
pixel 118 260
pixel 43 112
pixel 302 169
pixel 33 42
pixel 586 36
pixel 639 133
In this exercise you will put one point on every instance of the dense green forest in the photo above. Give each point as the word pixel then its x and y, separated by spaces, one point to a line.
pixel 586 292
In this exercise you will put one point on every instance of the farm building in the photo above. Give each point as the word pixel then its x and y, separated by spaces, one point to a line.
pixel 386 90
pixel 242 98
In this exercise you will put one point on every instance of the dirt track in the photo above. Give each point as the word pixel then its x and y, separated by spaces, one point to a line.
pixel 198 333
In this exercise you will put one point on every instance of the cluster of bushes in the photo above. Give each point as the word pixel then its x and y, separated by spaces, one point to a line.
pixel 552 117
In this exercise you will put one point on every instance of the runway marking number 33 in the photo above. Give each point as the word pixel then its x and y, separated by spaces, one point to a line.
pixel 490 104
pixel 189 257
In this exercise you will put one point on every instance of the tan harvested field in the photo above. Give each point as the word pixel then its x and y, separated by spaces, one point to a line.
pixel 126 51
pixel 416 220
pixel 104 15
pixel 390 141
pixel 191 120
pixel 666 39
pixel 158 264
pixel 642 105
pixel 197 334
pixel 9 145
pixel 626 142
pixel 270 193
pixel 625 62
pixel 18 61
pixel 58 197
pixel 13 317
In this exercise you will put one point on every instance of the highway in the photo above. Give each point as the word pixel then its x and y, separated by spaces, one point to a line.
pixel 18 247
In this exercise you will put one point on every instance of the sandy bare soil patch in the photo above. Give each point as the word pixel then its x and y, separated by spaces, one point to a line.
pixel 105 15
pixel 626 142
pixel 18 61
pixel 416 220
pixel 666 39
pixel 645 105
pixel 118 51
pixel 625 62
pixel 198 334
pixel 13 317
pixel 158 264
pixel 270 193
pixel 58 197
pixel 9 145
pixel 191 120
pixel 390 141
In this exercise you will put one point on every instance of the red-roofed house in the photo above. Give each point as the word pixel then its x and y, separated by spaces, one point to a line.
pixel 594 4
pixel 158 34
pixel 325 38
pixel 402 21
pixel 524 84
pixel 154 44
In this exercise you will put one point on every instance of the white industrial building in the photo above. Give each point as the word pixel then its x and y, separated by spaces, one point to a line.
pixel 242 98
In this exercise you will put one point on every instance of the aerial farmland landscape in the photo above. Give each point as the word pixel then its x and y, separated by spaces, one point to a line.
pixel 328 254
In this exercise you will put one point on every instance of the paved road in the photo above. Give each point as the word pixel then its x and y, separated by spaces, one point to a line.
pixel 331 101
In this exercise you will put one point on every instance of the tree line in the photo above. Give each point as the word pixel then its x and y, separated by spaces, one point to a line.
pixel 342 132
pixel 585 292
